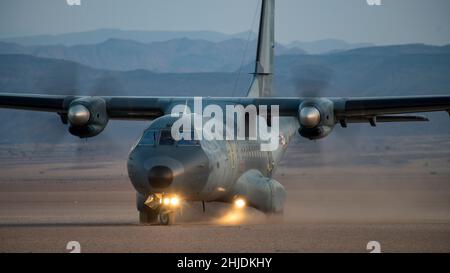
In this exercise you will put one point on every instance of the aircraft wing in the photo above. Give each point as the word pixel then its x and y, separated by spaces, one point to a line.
pixel 139 108
pixel 46 103
pixel 388 109
pixel 346 110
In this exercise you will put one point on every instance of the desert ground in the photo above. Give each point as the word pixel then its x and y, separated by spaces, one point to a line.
pixel 392 190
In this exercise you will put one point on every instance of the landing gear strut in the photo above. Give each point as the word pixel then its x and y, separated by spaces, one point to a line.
pixel 147 215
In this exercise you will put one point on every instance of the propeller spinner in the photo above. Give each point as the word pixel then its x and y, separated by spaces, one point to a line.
pixel 78 115
pixel 309 116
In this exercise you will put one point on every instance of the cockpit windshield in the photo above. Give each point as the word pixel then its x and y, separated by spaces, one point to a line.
pixel 164 138
pixel 150 137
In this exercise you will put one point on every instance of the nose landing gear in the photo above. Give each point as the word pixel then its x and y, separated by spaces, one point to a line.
pixel 158 209
pixel 166 218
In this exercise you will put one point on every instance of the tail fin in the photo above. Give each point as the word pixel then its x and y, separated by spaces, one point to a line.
pixel 263 75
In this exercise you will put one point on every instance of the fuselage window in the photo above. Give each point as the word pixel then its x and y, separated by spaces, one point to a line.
pixel 149 137
pixel 166 138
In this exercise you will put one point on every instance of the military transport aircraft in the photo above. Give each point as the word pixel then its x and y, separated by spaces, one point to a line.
pixel 165 171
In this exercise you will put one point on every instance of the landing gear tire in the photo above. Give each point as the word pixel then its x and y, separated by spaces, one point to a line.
pixel 166 218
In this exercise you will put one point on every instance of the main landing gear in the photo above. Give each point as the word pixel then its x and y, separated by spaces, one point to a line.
pixel 157 209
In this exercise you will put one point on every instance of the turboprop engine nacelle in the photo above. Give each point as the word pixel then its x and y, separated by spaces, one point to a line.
pixel 87 117
pixel 316 117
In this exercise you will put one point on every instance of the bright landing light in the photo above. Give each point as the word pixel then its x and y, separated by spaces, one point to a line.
pixel 166 201
pixel 174 201
pixel 239 203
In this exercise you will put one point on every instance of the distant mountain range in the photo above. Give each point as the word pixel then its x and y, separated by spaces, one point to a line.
pixel 29 74
pixel 373 71
pixel 400 70
pixel 326 46
pixel 146 37
pixel 101 35
pixel 178 55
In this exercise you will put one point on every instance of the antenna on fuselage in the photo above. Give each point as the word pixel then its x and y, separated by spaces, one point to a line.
pixel 263 74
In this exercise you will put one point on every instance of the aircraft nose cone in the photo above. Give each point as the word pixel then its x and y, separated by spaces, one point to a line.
pixel 160 177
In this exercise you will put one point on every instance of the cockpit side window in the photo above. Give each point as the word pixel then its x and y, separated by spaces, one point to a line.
pixel 149 138
pixel 166 138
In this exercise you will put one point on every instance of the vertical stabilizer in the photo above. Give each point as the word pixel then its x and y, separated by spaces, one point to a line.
pixel 263 74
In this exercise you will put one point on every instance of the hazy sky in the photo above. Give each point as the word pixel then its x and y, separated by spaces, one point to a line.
pixel 396 21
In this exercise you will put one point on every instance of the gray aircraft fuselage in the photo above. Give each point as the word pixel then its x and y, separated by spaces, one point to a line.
pixel 209 170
